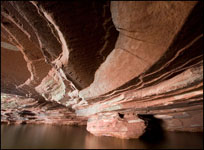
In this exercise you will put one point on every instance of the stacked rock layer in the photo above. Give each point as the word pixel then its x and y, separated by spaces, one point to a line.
pixel 116 64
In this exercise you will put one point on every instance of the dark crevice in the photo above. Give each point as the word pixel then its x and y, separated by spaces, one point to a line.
pixel 154 132
pixel 121 115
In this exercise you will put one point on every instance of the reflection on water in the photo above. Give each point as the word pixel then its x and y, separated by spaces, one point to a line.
pixel 47 136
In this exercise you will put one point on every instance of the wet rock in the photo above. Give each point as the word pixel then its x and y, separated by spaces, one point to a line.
pixel 113 124
pixel 36 113
pixel 70 61
pixel 26 113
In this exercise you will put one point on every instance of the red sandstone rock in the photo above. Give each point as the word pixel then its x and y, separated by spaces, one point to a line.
pixel 110 124
pixel 21 110
pixel 100 59
pixel 141 42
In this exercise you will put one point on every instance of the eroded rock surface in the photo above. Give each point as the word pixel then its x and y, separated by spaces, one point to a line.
pixel 123 126
pixel 95 60
pixel 20 110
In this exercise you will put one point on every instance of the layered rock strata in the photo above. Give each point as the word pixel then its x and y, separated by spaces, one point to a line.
pixel 124 126
pixel 112 63
pixel 20 110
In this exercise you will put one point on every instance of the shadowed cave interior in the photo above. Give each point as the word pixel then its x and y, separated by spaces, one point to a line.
pixel 121 69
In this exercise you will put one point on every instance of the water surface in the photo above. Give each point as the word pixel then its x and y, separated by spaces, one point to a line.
pixel 67 137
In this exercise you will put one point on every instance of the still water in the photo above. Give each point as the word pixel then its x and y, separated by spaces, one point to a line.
pixel 67 137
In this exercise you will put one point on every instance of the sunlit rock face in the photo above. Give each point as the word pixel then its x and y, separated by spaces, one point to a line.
pixel 96 60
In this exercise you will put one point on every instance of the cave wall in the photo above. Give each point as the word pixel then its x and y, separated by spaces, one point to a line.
pixel 10 77
pixel 101 59
pixel 146 30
